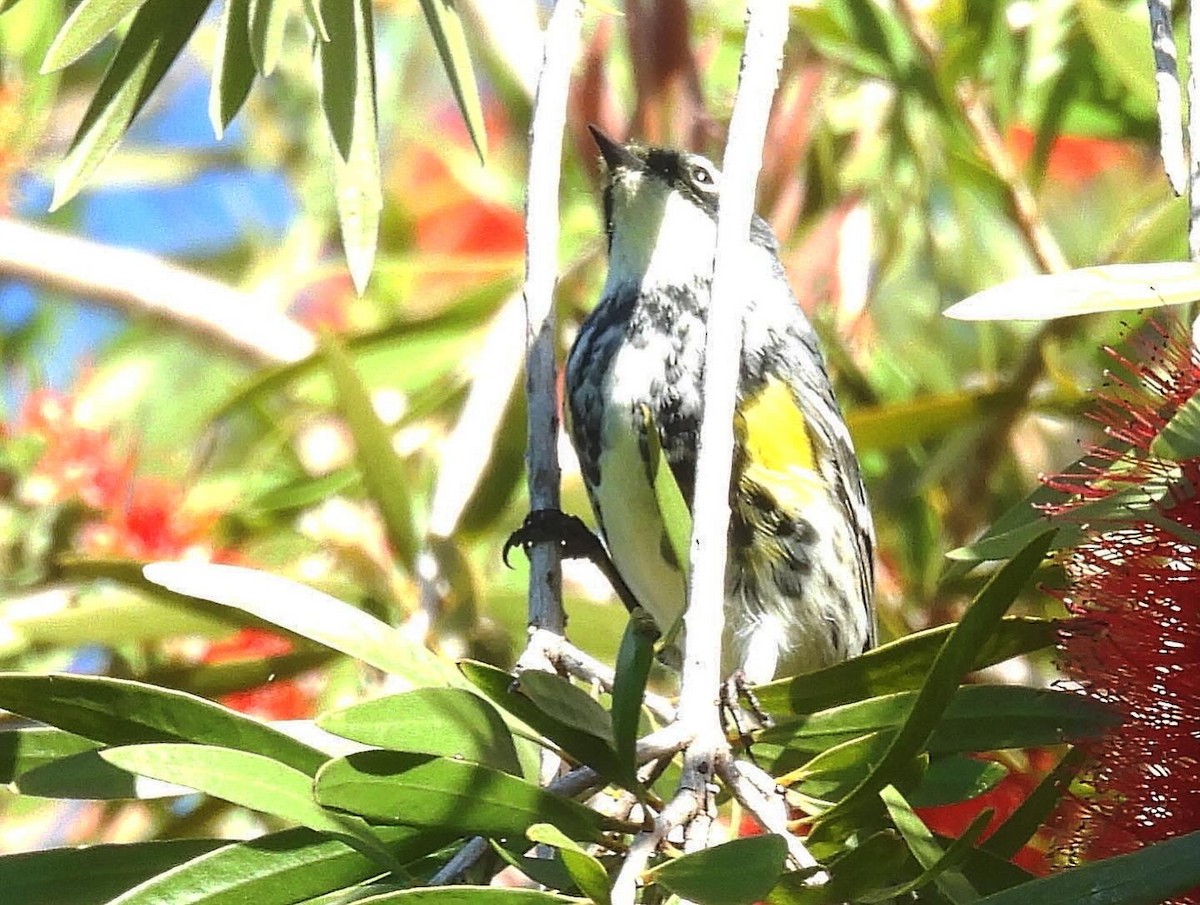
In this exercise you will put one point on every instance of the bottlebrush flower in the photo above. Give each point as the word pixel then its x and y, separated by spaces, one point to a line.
pixel 1135 584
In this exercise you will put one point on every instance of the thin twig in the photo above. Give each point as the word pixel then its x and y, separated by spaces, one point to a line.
pixel 139 283
pixel 1170 100
pixel 758 794
pixel 541 266
pixel 704 619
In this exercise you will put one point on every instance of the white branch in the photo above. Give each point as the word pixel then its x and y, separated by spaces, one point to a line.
pixel 541 266
pixel 1170 100
pixel 143 284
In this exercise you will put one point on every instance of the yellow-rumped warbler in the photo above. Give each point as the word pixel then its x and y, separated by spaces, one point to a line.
pixel 800 574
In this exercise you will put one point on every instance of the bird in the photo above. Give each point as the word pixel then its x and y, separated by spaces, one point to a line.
pixel 799 580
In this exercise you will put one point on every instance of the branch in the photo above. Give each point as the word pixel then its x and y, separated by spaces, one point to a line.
pixel 541 250
pixel 1193 133
pixel 704 619
pixel 143 284
pixel 1170 100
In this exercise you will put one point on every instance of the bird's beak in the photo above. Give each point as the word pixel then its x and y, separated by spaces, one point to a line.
pixel 615 155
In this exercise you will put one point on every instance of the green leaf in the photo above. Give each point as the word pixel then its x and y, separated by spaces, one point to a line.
pixel 26 749
pixel 451 40
pixel 419 790
pixel 312 12
pixel 587 872
pixel 1020 826
pixel 121 712
pixel 92 874
pixel 386 479
pixel 634 659
pixel 449 722
pixel 938 865
pixel 155 38
pixel 955 778
pixel 898 666
pixel 88 776
pixel 89 24
pixel 673 508
pixel 267 22
pixel 734 873
pixel 307 612
pixel 1179 440
pixel 277 869
pixel 858 871
pixel 953 662
pixel 1088 290
pixel 233 66
pixel 1123 44
pixel 978 718
pixel 901 424
pixel 347 78
pixel 560 699
pixel 1145 877
pixel 582 746
pixel 246 779
pixel 469 895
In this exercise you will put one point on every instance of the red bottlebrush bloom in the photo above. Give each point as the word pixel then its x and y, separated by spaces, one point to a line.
pixel 280 700
pixel 1135 584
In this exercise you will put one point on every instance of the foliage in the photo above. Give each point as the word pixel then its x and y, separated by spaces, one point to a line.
pixel 276 581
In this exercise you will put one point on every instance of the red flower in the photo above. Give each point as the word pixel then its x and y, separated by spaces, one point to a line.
pixel 279 700
pixel 1135 583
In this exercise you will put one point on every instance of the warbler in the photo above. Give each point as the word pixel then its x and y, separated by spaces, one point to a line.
pixel 800 575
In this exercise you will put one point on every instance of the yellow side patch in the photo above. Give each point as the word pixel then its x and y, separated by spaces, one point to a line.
pixel 778 446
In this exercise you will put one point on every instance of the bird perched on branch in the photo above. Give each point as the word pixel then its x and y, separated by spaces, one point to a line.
pixel 800 576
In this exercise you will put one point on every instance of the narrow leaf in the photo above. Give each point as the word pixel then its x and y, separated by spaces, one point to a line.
pixel 89 24
pixel 1145 877
pixel 451 40
pixel 267 22
pixel 415 789
pixel 953 662
pixel 571 706
pixel 1179 440
pixel 277 869
pixel 249 780
pixel 634 659
pixel 91 874
pixel 938 865
pixel 469 895
pixel 384 475
pixel 449 722
pixel 29 748
pixel 122 712
pixel 583 747
pixel 233 67
pixel 347 78
pixel 88 776
pixel 1088 290
pixel 155 38
pixel 1020 826
pixel 307 612
pixel 586 871
pixel 901 424
pixel 898 666
pixel 312 12
pixel 735 873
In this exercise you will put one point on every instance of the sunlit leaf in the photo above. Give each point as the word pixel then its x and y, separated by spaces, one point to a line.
pixel 899 424
pixel 246 779
pixel 450 722
pixel 307 612
pixel 586 872
pixel 419 790
pixel 1122 40
pixel 267 21
pixel 897 666
pixel 233 66
pixel 450 37
pixel 1020 826
pixel 92 874
pixel 953 661
pixel 1146 877
pixel 155 38
pixel 29 747
pixel 384 475
pixel 939 866
pixel 89 24
pixel 277 869
pixel 735 873
pixel 121 712
pixel 1179 440
pixel 1088 290
pixel 347 76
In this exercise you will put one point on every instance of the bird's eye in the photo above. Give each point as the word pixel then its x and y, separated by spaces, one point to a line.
pixel 702 176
